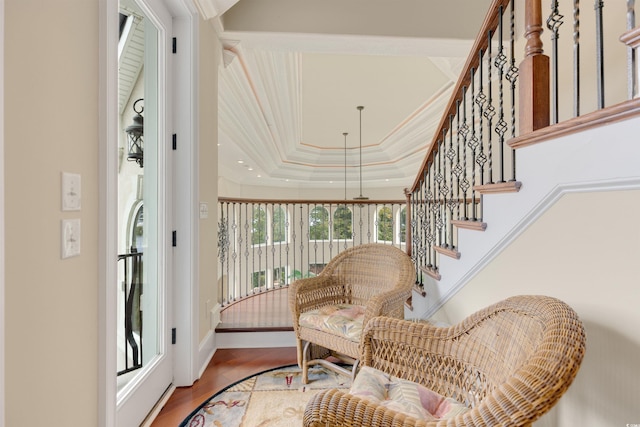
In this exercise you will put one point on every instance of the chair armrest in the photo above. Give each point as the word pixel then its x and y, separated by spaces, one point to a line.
pixel 313 292
pixel 389 304
pixel 337 408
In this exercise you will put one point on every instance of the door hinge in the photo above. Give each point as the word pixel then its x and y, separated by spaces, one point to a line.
pixel 175 141
pixel 174 48
pixel 173 335
pixel 174 238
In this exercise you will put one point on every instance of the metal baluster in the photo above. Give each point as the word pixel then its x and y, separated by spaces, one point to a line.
pixel 287 223
pixel 599 5
pixel 302 244
pixel 293 238
pixel 481 99
pixel 512 77
pixel 445 189
pixel 236 267
pixel 464 131
pixel 554 21
pixel 489 111
pixel 632 71
pixel 576 58
pixel 473 144
pixel 455 170
pixel 499 62
pixel 435 208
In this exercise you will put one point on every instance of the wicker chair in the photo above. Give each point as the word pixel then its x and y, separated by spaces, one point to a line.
pixel 509 363
pixel 375 276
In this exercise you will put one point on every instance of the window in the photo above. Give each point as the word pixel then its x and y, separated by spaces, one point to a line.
pixel 258 279
pixel 259 226
pixel 319 224
pixel 342 223
pixel 279 225
pixel 385 224
pixel 403 225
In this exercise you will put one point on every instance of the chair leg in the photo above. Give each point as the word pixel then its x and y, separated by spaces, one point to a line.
pixel 299 351
pixel 305 363
pixel 354 370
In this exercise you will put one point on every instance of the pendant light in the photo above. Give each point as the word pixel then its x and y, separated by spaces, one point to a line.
pixel 360 197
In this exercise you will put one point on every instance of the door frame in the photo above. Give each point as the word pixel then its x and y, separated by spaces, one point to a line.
pixel 184 309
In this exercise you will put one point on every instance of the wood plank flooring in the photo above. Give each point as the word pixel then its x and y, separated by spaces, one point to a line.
pixel 226 367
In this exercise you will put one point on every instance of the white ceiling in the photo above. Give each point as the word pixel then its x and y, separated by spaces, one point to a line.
pixel 295 71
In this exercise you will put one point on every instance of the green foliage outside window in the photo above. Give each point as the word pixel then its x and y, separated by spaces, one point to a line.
pixel 342 223
pixel 403 225
pixel 385 224
pixel 279 221
pixel 319 224
pixel 258 278
pixel 259 226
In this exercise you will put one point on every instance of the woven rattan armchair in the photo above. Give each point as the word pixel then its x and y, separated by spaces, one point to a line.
pixel 374 276
pixel 509 363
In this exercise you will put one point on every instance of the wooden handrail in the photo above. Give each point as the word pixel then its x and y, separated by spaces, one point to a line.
pixel 482 41
pixel 309 202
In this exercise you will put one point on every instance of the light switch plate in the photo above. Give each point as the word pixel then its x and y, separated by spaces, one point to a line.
pixel 204 210
pixel 71 200
pixel 70 236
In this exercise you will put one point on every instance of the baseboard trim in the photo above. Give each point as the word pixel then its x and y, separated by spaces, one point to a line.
pixel 255 339
pixel 206 351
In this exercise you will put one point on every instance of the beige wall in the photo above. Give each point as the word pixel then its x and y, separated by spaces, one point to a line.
pixel 51 126
pixel 210 54
pixel 583 250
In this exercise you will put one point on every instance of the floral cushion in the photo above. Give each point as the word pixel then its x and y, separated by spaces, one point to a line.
pixel 344 320
pixel 404 396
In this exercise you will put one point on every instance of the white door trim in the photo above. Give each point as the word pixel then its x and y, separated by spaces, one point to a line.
pixel 185 272
pixel 2 394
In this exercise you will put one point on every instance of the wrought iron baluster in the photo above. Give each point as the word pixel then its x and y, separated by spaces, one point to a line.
pixel 554 21
pixel 489 111
pixel 473 144
pixel 435 208
pixel 576 58
pixel 453 153
pixel 632 70
pixel 599 5
pixel 463 130
pixel 234 255
pixel 445 190
pixel 308 238
pixel 481 100
pixel 512 77
pixel 288 222
pixel 499 62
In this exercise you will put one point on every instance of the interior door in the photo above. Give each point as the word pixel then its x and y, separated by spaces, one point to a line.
pixel 147 183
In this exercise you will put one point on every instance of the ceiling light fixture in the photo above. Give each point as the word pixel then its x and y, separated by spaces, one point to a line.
pixel 360 197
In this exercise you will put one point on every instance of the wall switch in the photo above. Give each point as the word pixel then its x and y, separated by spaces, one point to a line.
pixel 204 210
pixel 70 238
pixel 71 192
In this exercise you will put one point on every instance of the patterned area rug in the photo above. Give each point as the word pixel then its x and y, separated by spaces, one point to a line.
pixel 270 399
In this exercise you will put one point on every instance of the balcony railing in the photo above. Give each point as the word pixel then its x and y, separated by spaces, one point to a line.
pixel 267 244
pixel 130 319
pixel 508 90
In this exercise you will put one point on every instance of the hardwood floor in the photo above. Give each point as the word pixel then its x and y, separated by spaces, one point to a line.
pixel 226 367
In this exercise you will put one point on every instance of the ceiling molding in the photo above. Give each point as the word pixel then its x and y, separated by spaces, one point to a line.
pixel 210 9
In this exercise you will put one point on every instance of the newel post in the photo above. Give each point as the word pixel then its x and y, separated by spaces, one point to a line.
pixel 534 73
pixel 632 39
pixel 407 231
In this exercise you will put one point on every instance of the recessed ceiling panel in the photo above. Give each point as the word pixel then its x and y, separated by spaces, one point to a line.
pixel 390 88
